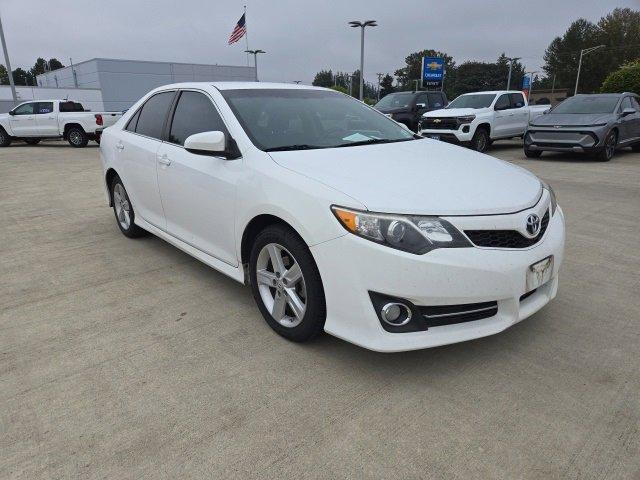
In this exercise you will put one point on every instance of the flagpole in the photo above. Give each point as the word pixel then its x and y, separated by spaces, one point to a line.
pixel 246 33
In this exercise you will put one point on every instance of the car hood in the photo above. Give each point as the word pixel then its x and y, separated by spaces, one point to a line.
pixel 569 120
pixel 422 177
pixel 454 112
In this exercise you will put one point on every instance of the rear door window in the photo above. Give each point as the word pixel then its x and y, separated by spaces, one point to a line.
pixel 517 100
pixel 194 113
pixel 153 114
pixel 42 108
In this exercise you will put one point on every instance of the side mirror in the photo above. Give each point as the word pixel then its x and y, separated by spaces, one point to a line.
pixel 11 112
pixel 545 112
pixel 420 106
pixel 499 109
pixel 628 111
pixel 213 143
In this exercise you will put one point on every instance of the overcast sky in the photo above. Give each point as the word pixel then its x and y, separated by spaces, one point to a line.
pixel 300 37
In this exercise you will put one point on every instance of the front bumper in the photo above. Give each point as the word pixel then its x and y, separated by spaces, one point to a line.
pixel 460 135
pixel 351 267
pixel 578 140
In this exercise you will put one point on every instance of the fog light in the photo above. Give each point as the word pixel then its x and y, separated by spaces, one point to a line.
pixel 396 314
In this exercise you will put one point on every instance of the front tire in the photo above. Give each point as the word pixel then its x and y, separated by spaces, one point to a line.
pixel 123 210
pixel 32 141
pixel 286 284
pixel 5 139
pixel 607 152
pixel 77 137
pixel 480 140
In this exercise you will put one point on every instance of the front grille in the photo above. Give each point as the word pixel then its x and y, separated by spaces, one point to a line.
pixel 437 316
pixel 440 123
pixel 506 238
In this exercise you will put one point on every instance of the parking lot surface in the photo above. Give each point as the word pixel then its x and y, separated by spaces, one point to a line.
pixel 129 359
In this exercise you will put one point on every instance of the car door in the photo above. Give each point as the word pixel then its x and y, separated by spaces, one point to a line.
pixel 46 119
pixel 502 117
pixel 198 191
pixel 635 120
pixel 136 152
pixel 23 120
pixel 629 125
pixel 520 111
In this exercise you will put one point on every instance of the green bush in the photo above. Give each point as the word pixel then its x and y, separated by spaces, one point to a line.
pixel 625 79
pixel 339 88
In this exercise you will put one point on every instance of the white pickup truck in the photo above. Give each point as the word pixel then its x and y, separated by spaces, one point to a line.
pixel 477 119
pixel 36 120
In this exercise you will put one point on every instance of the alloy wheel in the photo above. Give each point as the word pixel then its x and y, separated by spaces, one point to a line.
pixel 281 285
pixel 122 207
pixel 610 145
pixel 75 137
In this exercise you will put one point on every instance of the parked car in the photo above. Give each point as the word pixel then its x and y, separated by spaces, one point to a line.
pixel 339 218
pixel 407 107
pixel 478 119
pixel 37 120
pixel 596 124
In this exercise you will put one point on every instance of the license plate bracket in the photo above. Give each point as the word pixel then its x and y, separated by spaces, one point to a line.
pixel 539 273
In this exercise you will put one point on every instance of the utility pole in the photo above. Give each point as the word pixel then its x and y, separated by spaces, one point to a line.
pixel 511 60
pixel 9 71
pixel 362 26
pixel 531 83
pixel 73 72
pixel 553 85
pixel 255 59
pixel 583 52
pixel 379 85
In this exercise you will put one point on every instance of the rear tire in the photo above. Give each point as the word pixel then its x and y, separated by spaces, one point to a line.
pixel 607 152
pixel 290 294
pixel 532 153
pixel 32 141
pixel 123 210
pixel 5 139
pixel 77 137
pixel 480 140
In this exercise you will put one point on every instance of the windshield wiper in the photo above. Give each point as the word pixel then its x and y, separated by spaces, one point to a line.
pixel 373 141
pixel 302 146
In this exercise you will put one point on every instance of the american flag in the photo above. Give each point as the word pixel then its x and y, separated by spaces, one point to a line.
pixel 239 31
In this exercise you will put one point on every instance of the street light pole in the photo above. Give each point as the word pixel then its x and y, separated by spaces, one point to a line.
pixel 255 59
pixel 583 52
pixel 511 60
pixel 9 71
pixel 379 84
pixel 362 25
pixel 531 83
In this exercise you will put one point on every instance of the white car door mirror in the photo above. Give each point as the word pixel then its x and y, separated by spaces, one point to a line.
pixel 206 143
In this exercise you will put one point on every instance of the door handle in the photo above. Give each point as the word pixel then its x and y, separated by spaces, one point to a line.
pixel 51 118
pixel 120 146
pixel 164 160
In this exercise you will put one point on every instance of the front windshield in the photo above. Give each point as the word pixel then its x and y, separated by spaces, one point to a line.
pixel 587 105
pixel 477 100
pixel 297 119
pixel 395 100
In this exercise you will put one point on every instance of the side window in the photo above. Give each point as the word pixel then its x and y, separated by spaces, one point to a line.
pixel 195 113
pixel 25 109
pixel 503 102
pixel 133 122
pixel 626 103
pixel 517 100
pixel 42 108
pixel 435 100
pixel 153 114
pixel 635 104
pixel 422 98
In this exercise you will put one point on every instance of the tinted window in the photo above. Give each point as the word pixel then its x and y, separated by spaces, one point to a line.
pixel 194 114
pixel 479 100
pixel 626 103
pixel 395 100
pixel 503 102
pixel 71 107
pixel 25 109
pixel 44 108
pixel 131 125
pixel 435 100
pixel 635 103
pixel 153 115
pixel 517 100
pixel 422 98
pixel 588 104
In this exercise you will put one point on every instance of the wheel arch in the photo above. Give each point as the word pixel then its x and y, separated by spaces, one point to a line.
pixel 485 126
pixel 109 175
pixel 68 127
pixel 254 227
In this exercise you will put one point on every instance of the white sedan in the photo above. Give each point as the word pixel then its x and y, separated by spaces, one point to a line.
pixel 339 219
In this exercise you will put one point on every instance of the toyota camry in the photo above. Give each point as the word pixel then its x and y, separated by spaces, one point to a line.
pixel 340 219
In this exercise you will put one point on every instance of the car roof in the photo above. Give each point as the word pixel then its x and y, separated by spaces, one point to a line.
pixel 493 92
pixel 241 86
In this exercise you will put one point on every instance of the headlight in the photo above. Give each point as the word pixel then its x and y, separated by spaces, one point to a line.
pixel 552 194
pixel 467 119
pixel 407 233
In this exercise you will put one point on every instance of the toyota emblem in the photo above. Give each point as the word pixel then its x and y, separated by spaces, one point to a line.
pixel 533 224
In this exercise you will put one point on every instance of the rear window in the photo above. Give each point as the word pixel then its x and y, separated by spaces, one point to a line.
pixel 517 100
pixel 71 107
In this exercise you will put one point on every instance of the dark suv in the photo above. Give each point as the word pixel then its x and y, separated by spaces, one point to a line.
pixel 408 107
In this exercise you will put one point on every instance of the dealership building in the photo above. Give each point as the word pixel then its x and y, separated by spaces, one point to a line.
pixel 122 82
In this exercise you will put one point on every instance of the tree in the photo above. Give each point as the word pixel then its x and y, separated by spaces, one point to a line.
pixel 475 76
pixel 625 79
pixel 386 85
pixel 21 77
pixel 413 67
pixel 324 78
pixel 41 66
pixel 4 75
